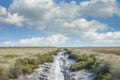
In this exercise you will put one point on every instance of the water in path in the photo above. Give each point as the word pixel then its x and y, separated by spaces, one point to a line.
pixel 58 70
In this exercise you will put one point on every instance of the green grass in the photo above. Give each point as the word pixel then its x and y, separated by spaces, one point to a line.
pixel 4 74
pixel 44 58
pixel 10 56
pixel 83 62
pixel 27 65
pixel 99 68
pixel 102 71
pixel 89 62
pixel 23 66
pixel 78 66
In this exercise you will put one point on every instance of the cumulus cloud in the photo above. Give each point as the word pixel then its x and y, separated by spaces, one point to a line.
pixel 14 19
pixel 99 8
pixel 9 43
pixel 63 18
pixel 38 41
pixel 109 37
pixel 41 13
pixel 47 15
pixel 7 17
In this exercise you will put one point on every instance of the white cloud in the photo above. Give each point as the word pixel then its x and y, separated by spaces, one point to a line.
pixel 32 41
pixel 64 18
pixel 47 15
pixel 3 11
pixel 41 13
pixel 45 9
pixel 57 39
pixel 33 11
pixel 9 43
pixel 99 8
pixel 108 37
pixel 53 40
pixel 14 19
pixel 7 17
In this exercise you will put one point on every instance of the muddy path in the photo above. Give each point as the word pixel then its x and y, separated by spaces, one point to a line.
pixel 58 70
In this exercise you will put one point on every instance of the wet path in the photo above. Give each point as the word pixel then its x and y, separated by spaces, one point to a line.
pixel 58 70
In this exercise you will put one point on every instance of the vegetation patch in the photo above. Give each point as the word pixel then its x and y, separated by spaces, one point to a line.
pixel 27 64
pixel 23 66
pixel 3 74
pixel 110 51
pixel 78 65
pixel 44 58
pixel 10 56
pixel 83 62
pixel 102 72
pixel 98 67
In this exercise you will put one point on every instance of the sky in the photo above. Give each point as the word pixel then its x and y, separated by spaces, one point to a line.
pixel 65 23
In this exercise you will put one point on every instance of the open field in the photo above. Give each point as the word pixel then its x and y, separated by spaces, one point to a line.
pixel 103 62
pixel 109 55
pixel 112 50
pixel 15 61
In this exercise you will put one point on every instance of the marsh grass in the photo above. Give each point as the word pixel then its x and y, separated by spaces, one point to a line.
pixel 109 51
pixel 23 61
pixel 4 73
pixel 102 72
pixel 10 56
pixel 22 66
pixel 87 59
pixel 27 65
pixel 83 62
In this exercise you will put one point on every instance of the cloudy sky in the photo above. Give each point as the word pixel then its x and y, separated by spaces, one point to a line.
pixel 59 22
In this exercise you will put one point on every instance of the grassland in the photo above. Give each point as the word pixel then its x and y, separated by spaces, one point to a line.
pixel 104 61
pixel 16 61
pixel 108 50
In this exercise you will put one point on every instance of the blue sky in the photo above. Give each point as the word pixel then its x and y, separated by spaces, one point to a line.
pixel 56 23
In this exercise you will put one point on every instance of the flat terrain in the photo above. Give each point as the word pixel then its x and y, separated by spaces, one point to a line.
pixel 15 61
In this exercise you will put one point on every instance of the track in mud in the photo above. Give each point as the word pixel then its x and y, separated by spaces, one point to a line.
pixel 58 70
pixel 62 63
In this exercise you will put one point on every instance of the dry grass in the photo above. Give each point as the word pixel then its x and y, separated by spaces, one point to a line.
pixel 108 50
pixel 110 55
pixel 10 54
pixel 22 60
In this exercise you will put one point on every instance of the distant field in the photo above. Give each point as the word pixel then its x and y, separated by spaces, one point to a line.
pixel 109 50
pixel 15 61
